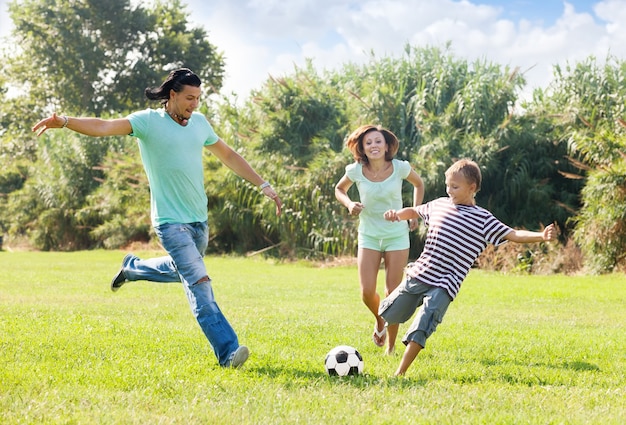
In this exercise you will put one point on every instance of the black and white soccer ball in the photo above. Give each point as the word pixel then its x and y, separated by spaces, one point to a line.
pixel 343 360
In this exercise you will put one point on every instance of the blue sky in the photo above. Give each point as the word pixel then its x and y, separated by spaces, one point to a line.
pixel 260 38
pixel 546 11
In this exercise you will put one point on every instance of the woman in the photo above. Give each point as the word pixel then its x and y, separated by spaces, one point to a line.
pixel 378 177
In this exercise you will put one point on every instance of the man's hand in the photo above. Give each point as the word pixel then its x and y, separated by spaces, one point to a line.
pixel 54 121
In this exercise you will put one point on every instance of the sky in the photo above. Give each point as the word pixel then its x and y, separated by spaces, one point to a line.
pixel 263 38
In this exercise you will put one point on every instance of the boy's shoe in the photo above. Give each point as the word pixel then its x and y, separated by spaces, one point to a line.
pixel 238 357
pixel 119 279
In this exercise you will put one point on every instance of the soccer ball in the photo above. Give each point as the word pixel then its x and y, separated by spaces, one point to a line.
pixel 343 360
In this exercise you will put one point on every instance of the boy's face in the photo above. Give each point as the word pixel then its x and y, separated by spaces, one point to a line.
pixel 460 191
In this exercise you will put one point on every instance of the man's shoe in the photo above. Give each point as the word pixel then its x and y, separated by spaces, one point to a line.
pixel 119 278
pixel 238 357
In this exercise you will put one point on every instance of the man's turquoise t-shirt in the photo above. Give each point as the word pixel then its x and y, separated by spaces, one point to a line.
pixel 172 159
pixel 378 197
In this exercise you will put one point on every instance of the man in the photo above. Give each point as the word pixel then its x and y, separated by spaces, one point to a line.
pixel 170 142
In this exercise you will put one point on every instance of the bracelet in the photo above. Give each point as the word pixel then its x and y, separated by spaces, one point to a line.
pixel 65 122
pixel 264 185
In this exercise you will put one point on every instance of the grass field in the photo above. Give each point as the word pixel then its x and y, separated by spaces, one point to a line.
pixel 511 349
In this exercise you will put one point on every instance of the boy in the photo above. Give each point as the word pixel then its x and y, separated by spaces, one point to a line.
pixel 458 232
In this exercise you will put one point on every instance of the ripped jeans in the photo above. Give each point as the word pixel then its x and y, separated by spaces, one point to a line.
pixel 186 243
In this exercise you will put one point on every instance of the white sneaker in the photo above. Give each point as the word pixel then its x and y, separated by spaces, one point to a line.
pixel 238 357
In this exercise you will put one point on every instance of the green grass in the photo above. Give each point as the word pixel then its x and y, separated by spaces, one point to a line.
pixel 511 349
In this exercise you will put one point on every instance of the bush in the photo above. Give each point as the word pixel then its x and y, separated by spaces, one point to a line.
pixel 601 223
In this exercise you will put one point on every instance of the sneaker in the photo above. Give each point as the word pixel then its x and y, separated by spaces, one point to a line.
pixel 238 357
pixel 119 278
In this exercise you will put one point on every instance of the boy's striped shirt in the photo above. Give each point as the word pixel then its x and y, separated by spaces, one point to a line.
pixel 457 235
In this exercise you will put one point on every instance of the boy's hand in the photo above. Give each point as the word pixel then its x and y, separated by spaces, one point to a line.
pixel 549 233
pixel 391 215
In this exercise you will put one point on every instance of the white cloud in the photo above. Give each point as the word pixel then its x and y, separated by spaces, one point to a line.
pixel 5 22
pixel 273 36
pixel 613 12
pixel 269 37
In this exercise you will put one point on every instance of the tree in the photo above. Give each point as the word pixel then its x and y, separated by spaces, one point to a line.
pixel 587 101
pixel 93 57
pixel 292 129
pixel 441 107
pixel 298 116
pixel 84 57
pixel 527 180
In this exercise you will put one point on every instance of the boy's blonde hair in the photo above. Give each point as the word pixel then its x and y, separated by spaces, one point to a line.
pixel 468 169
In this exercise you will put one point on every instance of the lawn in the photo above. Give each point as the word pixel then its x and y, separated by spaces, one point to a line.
pixel 512 349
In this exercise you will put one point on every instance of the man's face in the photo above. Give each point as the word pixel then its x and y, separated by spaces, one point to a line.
pixel 184 102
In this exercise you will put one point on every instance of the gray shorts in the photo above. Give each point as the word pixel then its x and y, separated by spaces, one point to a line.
pixel 400 305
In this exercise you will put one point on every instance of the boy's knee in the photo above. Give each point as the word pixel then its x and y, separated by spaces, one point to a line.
pixel 418 337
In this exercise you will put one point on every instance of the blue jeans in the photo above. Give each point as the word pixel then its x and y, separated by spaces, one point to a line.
pixel 186 243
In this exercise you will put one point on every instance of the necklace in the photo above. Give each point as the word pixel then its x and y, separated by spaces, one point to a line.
pixel 177 118
pixel 375 174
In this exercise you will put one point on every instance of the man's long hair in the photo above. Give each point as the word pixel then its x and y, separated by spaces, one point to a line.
pixel 175 81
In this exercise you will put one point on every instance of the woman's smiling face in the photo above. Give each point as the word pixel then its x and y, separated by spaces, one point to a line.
pixel 374 145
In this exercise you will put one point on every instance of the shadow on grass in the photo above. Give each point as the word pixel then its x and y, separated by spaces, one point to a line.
pixel 294 376
pixel 530 374
pixel 581 366
pixel 578 366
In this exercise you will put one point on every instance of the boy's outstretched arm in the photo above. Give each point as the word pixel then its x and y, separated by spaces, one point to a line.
pixel 525 236
pixel 400 215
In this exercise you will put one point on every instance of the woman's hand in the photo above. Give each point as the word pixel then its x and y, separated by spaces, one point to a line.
pixel 355 208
